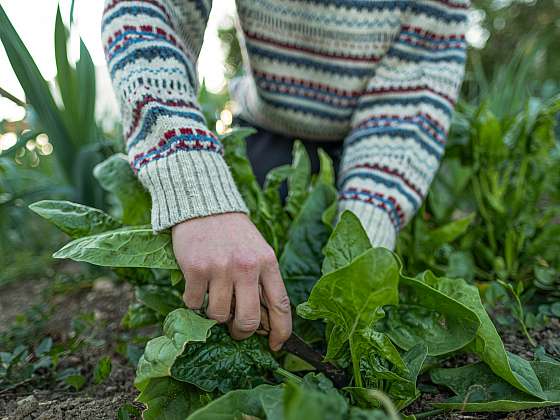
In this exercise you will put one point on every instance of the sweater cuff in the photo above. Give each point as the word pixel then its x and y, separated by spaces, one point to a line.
pixel 376 222
pixel 187 185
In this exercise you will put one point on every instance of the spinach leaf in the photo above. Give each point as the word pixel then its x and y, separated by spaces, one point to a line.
pixel 161 299
pixel 326 169
pixel 300 263
pixel 222 363
pixel 426 315
pixel 351 299
pixel 115 176
pixel 260 402
pixel 76 220
pixel 182 326
pixel 126 247
pixel 478 389
pixel 298 180
pixel 138 316
pixel 314 399
pixel 166 398
pixel 487 343
pixel 347 242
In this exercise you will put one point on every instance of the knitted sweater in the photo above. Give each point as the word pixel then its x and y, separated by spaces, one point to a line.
pixel 382 76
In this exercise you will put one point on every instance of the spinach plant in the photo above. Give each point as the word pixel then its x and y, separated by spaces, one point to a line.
pixel 365 329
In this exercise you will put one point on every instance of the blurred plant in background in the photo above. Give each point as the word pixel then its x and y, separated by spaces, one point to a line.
pixel 51 152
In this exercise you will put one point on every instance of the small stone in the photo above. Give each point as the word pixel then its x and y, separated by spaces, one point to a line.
pixel 103 285
pixel 26 406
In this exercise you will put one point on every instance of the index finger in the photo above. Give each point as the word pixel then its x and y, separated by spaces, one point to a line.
pixel 278 304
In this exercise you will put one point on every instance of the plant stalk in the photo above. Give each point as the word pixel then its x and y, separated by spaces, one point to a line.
pixel 297 346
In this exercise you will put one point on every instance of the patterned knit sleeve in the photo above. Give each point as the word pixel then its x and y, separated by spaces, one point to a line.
pixel 400 126
pixel 151 48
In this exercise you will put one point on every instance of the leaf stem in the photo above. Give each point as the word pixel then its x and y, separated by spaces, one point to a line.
pixel 520 312
pixel 12 98
pixel 431 413
pixel 386 403
pixel 288 375
pixel 300 348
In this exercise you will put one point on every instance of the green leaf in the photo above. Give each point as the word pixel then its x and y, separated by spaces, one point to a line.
pixel 168 399
pixel 241 170
pixel 478 389
pixel 127 411
pixel 161 299
pixel 259 402
pixel 450 231
pixel 180 327
pixel 298 180
pixel 85 82
pixel 308 402
pixel 348 241
pixel 76 220
pixel 65 76
pixel 139 315
pixel 300 263
pixel 38 95
pixel 126 247
pixel 115 176
pixel 487 343
pixel 352 297
pixel 75 381
pixel 426 315
pixel 326 169
pixel 222 363
pixel 102 370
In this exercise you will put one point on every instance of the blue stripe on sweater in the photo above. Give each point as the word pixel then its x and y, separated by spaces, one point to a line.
pixel 307 62
pixel 305 109
pixel 135 41
pixel 134 11
pixel 151 52
pixel 151 117
pixel 415 100
pixel 304 88
pixel 404 133
pixel 402 5
pixel 415 122
pixel 407 56
pixel 384 181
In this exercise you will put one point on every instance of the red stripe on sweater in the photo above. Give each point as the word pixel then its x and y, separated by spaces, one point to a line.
pixel 144 28
pixel 308 84
pixel 452 4
pixel 389 171
pixel 432 35
pixel 136 112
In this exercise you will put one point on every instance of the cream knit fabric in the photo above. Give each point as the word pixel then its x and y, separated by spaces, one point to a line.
pixel 382 76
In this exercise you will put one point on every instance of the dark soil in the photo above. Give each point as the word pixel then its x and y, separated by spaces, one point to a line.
pixel 108 302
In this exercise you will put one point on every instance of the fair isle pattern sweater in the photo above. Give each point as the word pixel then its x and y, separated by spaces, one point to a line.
pixel 383 76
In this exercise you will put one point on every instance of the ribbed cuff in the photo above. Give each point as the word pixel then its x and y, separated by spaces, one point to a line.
pixel 375 221
pixel 190 184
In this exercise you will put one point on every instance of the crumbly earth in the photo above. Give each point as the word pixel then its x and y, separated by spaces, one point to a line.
pixel 109 301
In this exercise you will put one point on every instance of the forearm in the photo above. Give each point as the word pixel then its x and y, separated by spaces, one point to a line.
pixel 400 125
pixel 151 47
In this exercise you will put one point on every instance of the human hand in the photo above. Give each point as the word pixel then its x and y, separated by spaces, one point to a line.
pixel 226 256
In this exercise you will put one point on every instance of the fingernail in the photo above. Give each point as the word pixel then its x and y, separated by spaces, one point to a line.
pixel 276 347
